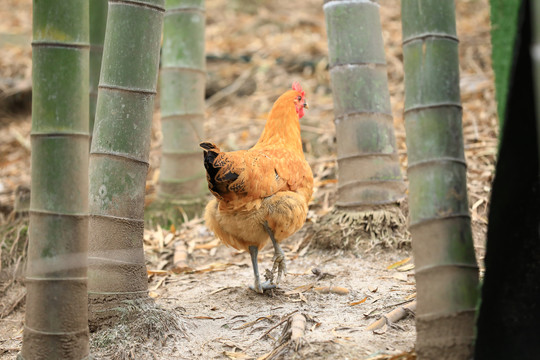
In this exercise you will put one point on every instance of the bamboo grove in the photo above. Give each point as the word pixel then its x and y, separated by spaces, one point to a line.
pixel 99 64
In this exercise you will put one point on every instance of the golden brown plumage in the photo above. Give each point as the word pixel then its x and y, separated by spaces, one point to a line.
pixel 262 192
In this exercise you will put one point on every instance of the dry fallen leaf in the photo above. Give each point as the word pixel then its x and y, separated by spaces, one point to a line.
pixel 333 331
pixel 236 355
pixel 400 277
pixel 212 244
pixel 265 356
pixel 300 289
pixel 381 330
pixel 168 239
pixel 326 181
pixel 216 266
pixel 182 269
pixel 202 317
pixel 157 272
pixel 406 267
pixel 358 302
pixel 332 289
pixel 250 323
pixel 220 289
pixel 159 283
pixel 411 296
pixel 159 235
pixel 399 263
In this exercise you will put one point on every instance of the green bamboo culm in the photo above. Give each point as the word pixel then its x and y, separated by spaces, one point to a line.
pixel 535 55
pixel 182 179
pixel 98 21
pixel 368 165
pixel 504 21
pixel 119 156
pixel 440 224
pixel 56 319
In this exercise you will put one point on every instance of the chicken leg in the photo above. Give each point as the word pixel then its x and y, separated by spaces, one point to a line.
pixel 279 257
pixel 258 287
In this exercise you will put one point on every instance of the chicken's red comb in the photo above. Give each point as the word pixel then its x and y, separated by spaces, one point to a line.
pixel 296 87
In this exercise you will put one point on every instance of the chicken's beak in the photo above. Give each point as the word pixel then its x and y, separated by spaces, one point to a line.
pixel 306 105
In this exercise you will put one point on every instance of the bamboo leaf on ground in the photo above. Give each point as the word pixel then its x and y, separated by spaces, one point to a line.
pixel 358 302
pixel 236 355
pixel 399 263
pixel 405 267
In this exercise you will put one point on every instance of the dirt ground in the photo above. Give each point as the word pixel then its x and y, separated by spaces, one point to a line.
pixel 255 50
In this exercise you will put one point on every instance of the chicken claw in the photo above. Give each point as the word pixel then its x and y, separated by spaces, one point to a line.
pixel 278 259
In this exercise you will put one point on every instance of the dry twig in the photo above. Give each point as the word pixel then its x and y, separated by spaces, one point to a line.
pixel 9 309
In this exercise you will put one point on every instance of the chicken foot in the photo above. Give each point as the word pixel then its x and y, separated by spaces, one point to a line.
pixel 279 257
pixel 258 287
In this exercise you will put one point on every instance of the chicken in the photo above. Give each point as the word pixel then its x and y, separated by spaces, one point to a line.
pixel 262 194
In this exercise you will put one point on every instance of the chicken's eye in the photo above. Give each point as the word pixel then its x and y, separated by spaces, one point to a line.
pixel 299 98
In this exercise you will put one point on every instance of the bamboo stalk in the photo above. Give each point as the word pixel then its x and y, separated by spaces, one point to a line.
pixel 182 180
pixel 119 156
pixel 446 270
pixel 369 171
pixel 535 54
pixel 98 21
pixel 56 318
pixel 504 16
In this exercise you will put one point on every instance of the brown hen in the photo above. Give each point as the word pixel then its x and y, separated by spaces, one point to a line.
pixel 262 194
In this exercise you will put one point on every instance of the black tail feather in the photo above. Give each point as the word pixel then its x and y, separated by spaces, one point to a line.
pixel 208 146
pixel 211 152
pixel 217 185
